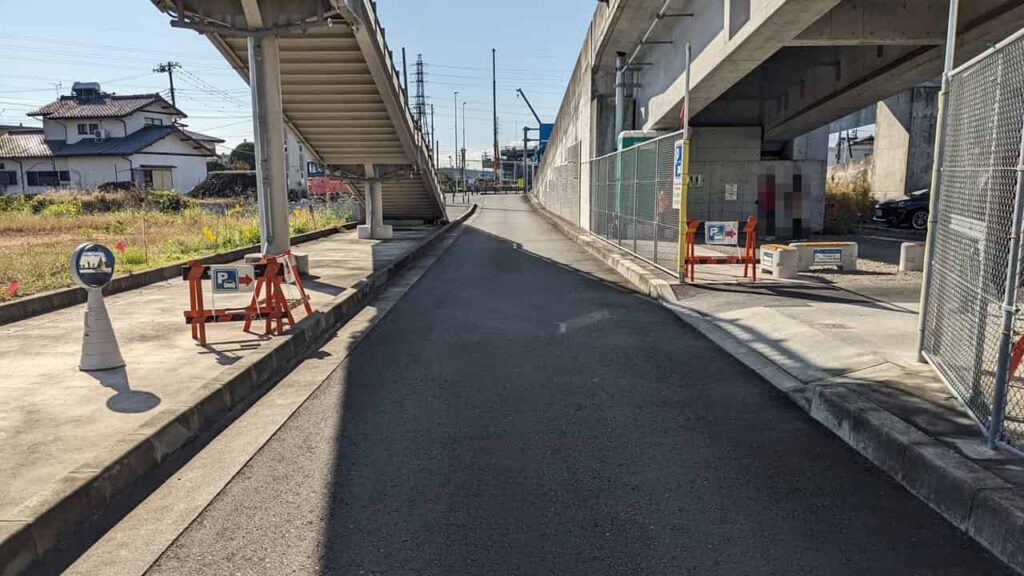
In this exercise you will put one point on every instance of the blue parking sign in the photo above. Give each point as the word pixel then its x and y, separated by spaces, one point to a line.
pixel 232 279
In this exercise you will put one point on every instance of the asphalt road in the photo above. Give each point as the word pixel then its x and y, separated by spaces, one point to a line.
pixel 513 415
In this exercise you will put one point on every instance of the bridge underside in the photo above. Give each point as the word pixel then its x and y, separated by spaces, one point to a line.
pixel 339 91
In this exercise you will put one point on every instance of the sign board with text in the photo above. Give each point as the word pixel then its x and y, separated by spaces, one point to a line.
pixel 232 279
pixel 722 233
pixel 732 192
pixel 678 173
pixel 828 256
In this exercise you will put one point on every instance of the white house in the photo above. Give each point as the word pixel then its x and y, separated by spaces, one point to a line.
pixel 92 138
pixel 296 164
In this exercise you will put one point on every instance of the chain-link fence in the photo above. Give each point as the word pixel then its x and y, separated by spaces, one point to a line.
pixel 631 201
pixel 560 189
pixel 973 246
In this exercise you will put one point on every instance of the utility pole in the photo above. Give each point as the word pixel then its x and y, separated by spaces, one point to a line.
pixel 433 135
pixel 526 133
pixel 496 164
pixel 465 180
pixel 456 110
pixel 168 68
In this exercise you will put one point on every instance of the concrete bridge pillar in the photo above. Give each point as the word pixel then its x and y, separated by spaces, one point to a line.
pixel 268 129
pixel 904 142
pixel 374 229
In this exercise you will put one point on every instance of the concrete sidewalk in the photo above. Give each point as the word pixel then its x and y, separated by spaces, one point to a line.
pixel 843 347
pixel 61 428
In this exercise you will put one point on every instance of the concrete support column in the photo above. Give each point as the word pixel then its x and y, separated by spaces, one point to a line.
pixel 620 95
pixel 268 129
pixel 904 142
pixel 374 229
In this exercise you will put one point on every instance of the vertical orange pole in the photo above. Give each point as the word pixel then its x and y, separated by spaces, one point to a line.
pixel 269 296
pixel 192 305
pixel 253 311
pixel 201 311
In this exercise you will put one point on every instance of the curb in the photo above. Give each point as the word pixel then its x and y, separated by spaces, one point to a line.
pixel 984 506
pixel 52 523
pixel 45 302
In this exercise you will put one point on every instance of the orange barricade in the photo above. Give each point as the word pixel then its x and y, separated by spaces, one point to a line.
pixel 749 258
pixel 268 300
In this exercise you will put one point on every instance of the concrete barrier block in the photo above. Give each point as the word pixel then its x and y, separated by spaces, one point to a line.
pixel 301 263
pixel 842 255
pixel 780 261
pixel 912 257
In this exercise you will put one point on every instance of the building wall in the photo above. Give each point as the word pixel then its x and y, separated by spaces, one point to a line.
pixel 295 162
pixel 189 164
pixel 25 165
pixel 188 167
pixel 786 196
pixel 786 192
pixel 573 143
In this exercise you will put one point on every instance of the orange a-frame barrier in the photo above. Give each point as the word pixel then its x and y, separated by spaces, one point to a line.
pixel 749 258
pixel 268 299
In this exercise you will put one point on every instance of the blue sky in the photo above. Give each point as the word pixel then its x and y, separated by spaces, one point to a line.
pixel 537 41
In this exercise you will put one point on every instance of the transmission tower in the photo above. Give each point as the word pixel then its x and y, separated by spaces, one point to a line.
pixel 419 105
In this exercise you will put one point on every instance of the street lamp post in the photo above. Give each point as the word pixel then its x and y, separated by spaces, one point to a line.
pixel 465 180
pixel 456 188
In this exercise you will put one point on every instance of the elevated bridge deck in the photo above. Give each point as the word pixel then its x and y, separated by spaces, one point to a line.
pixel 340 91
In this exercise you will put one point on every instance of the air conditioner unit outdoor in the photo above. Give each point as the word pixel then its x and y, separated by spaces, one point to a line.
pixel 101 134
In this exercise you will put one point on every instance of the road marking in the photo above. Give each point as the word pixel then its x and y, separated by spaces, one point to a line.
pixel 583 321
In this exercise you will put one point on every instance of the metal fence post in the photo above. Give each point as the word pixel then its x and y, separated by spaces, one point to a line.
pixel 657 161
pixel 936 184
pixel 636 191
pixel 1009 307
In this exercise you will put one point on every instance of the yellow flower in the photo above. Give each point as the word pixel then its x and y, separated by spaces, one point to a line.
pixel 208 233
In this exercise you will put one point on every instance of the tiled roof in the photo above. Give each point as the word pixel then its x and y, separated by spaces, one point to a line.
pixel 27 145
pixel 118 146
pixel 202 137
pixel 101 106
pixel 32 145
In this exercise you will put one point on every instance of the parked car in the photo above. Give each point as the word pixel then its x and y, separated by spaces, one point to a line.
pixel 910 211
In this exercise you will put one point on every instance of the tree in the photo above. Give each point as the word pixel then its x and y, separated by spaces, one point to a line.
pixel 244 153
pixel 215 165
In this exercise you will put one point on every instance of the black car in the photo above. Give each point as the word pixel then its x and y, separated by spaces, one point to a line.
pixel 910 211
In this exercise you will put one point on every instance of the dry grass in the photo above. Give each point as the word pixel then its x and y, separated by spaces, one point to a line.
pixel 36 246
pixel 848 202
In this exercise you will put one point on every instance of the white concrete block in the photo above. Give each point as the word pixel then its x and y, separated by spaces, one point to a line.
pixel 780 261
pixel 301 263
pixel 378 232
pixel 912 257
pixel 842 255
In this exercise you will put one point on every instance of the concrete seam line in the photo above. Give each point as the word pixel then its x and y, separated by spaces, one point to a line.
pixel 190 422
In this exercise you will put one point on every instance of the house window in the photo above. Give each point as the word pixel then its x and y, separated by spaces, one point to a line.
pixel 48 178
pixel 154 121
pixel 88 129
pixel 8 177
